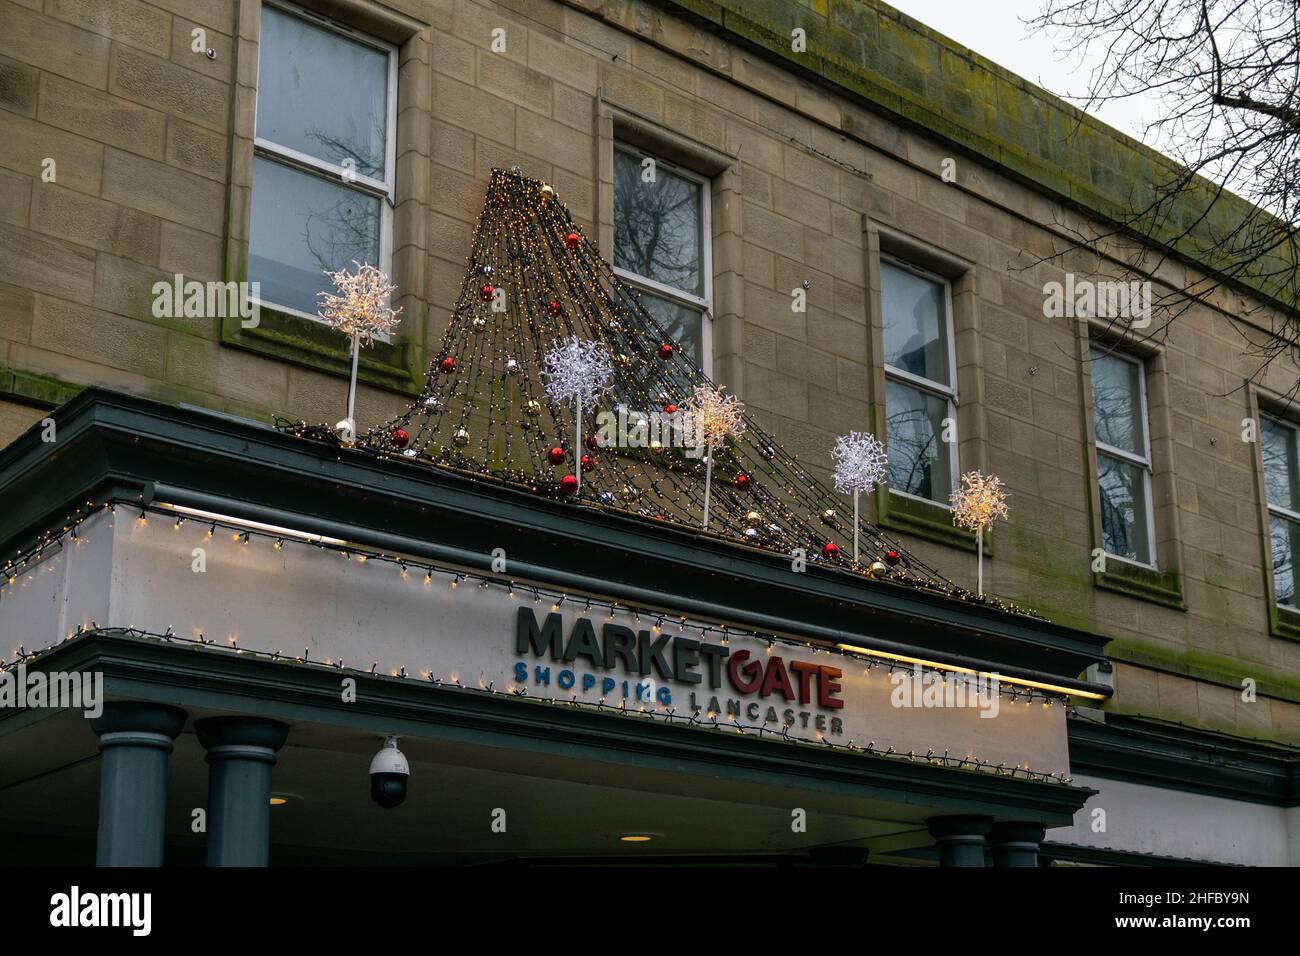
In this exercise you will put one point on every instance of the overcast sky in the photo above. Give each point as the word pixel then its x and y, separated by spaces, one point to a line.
pixel 994 29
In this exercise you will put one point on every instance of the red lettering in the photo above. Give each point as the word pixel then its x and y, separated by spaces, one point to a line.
pixel 753 672
pixel 828 684
pixel 776 679
pixel 805 672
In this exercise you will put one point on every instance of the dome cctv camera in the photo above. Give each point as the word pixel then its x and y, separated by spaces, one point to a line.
pixel 389 772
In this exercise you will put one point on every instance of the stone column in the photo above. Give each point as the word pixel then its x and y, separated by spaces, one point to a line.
pixel 1016 844
pixel 135 740
pixel 241 753
pixel 960 838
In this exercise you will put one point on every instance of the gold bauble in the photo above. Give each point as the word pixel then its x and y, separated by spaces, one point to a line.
pixel 828 515
pixel 533 407
pixel 623 359
pixel 878 569
pixel 461 437
pixel 753 518
pixel 656 447
pixel 479 323
pixel 547 190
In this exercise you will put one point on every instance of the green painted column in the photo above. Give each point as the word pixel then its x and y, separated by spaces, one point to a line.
pixel 135 741
pixel 1016 844
pixel 960 838
pixel 241 753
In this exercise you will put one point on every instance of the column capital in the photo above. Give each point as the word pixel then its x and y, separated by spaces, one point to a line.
pixel 254 732
pixel 957 826
pixel 1016 843
pixel 139 717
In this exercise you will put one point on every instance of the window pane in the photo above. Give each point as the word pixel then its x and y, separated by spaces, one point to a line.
pixel 658 225
pixel 1124 529
pixel 916 323
pixel 682 324
pixel 1277 446
pixel 320 93
pixel 1117 402
pixel 303 225
pixel 919 460
pixel 1286 536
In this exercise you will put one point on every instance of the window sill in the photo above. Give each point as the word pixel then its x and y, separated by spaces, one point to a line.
pixel 925 519
pixel 291 338
pixel 1147 584
pixel 1284 622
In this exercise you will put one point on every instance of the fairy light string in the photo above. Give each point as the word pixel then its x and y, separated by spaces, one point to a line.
pixel 423 573
pixel 484 410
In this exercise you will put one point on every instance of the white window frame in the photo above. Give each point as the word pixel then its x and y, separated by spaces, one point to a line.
pixel 384 190
pixel 947 392
pixel 1143 460
pixel 702 304
pixel 1280 510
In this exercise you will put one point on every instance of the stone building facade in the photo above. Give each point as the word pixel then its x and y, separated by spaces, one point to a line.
pixel 129 152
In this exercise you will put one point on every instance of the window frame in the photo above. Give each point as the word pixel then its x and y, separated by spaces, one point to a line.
pixel 1128 457
pixel 929 386
pixel 383 190
pixel 1281 511
pixel 704 304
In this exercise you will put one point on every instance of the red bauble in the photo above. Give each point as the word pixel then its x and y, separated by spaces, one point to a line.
pixel 742 481
pixel 568 485
pixel 592 442
pixel 556 455
pixel 573 240
pixel 892 557
pixel 670 409
pixel 398 437
pixel 665 351
pixel 830 550
pixel 489 290
pixel 588 463
pixel 555 307
pixel 448 365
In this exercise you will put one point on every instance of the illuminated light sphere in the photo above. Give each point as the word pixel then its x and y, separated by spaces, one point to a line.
pixel 556 455
pixel 860 462
pixel 359 304
pixel 978 502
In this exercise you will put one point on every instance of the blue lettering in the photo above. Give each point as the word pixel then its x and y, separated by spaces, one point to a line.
pixel 565 680
pixel 542 676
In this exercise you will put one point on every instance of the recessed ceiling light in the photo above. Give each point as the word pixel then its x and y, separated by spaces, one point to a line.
pixel 636 838
pixel 280 799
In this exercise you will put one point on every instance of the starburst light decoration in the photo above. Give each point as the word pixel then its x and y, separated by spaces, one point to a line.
pixel 359 306
pixel 860 464
pixel 712 417
pixel 975 506
pixel 577 372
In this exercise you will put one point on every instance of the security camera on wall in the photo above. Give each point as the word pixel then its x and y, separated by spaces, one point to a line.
pixel 389 773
